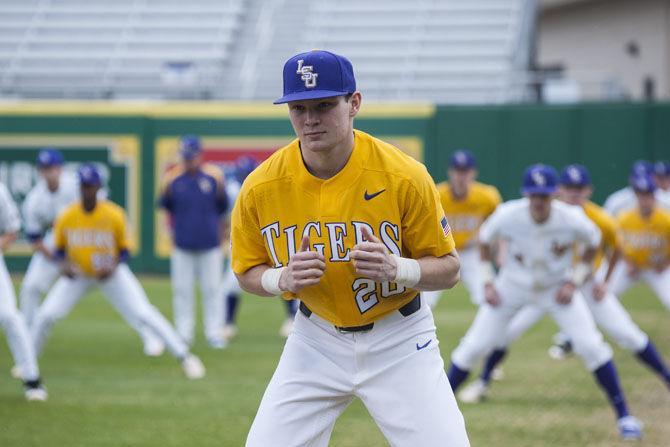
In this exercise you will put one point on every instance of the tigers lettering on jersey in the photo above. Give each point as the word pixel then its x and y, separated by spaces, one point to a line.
pixel 645 242
pixel 281 202
pixel 467 214
pixel 91 240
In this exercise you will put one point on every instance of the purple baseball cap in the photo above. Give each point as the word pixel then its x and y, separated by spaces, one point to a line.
pixel 317 74
pixel 539 179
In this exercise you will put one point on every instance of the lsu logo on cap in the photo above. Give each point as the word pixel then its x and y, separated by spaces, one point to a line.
pixel 574 174
pixel 538 178
pixel 307 74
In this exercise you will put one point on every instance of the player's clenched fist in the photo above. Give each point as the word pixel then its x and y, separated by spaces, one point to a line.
pixel 372 259
pixel 305 268
pixel 491 295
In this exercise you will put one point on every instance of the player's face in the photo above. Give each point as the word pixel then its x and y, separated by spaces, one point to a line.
pixel 89 192
pixel 51 174
pixel 540 206
pixel 324 124
pixel 461 179
pixel 663 182
pixel 646 201
pixel 192 164
pixel 574 195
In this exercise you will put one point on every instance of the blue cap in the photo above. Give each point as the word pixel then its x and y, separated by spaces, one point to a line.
pixel 642 183
pixel 49 156
pixel 539 179
pixel 462 159
pixel 317 74
pixel 189 147
pixel 89 175
pixel 641 167
pixel 244 166
pixel 662 168
pixel 575 175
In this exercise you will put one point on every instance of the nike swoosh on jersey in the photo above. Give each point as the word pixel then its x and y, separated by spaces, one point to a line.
pixel 367 196
pixel 419 348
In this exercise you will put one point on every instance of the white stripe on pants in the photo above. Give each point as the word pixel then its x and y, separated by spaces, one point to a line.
pixel 18 337
pixel 321 370
pixel 207 266
pixel 124 293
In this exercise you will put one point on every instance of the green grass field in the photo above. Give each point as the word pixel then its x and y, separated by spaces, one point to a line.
pixel 104 392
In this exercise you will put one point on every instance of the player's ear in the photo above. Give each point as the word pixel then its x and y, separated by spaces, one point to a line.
pixel 354 104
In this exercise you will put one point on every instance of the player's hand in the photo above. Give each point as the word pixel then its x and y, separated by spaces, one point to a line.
pixel 105 272
pixel 599 290
pixel 304 269
pixel 372 259
pixel 565 292
pixel 491 295
pixel 69 270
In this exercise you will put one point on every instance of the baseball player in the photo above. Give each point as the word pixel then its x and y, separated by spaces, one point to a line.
pixel 90 241
pixel 231 287
pixel 53 193
pixel 353 228
pixel 608 313
pixel 194 195
pixel 467 203
pixel 11 319
pixel 645 241
pixel 662 180
pixel 625 199
pixel 541 234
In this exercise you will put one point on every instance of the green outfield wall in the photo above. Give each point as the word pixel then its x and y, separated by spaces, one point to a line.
pixel 135 143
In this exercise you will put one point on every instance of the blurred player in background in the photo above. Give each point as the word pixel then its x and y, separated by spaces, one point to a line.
pixel 467 203
pixel 645 241
pixel 92 246
pixel 662 180
pixel 307 225
pixel 607 311
pixel 231 287
pixel 194 194
pixel 11 319
pixel 53 193
pixel 625 198
pixel 541 236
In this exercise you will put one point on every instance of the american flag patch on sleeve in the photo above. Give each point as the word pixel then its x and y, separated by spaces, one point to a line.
pixel 445 225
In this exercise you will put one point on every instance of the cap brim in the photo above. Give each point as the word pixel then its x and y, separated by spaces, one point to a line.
pixel 543 190
pixel 309 94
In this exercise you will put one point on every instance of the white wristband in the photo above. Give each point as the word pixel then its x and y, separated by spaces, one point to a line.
pixel 408 271
pixel 580 273
pixel 270 280
pixel 487 272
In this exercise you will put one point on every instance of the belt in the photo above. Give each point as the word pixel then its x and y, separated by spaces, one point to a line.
pixel 406 310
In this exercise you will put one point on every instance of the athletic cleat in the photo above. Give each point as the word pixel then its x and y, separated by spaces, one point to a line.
pixel 37 394
pixel 154 348
pixel 193 367
pixel 630 428
pixel 286 328
pixel 217 343
pixel 229 332
pixel 16 372
pixel 474 393
pixel 498 374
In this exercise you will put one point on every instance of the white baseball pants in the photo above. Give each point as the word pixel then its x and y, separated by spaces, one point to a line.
pixel 40 276
pixel 395 369
pixel 18 337
pixel 472 280
pixel 124 293
pixel 207 267
pixel 491 325
pixel 659 282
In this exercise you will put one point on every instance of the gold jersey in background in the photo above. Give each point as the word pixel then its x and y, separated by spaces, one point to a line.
pixel 645 242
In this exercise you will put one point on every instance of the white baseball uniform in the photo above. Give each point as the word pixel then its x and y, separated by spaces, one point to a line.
pixel 538 261
pixel 659 282
pixel 11 319
pixel 40 210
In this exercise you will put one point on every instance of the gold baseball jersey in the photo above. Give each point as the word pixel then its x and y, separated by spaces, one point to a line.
pixel 608 229
pixel 467 214
pixel 645 242
pixel 91 241
pixel 379 188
